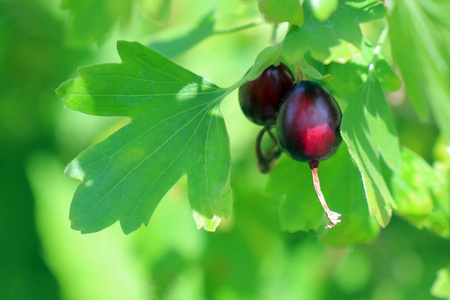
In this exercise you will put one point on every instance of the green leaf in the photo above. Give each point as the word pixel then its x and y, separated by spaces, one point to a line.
pixel 93 20
pixel 411 186
pixel 341 184
pixel 379 121
pixel 203 30
pixel 368 130
pixel 388 79
pixel 278 11
pixel 441 287
pixel 176 128
pixel 336 40
pixel 323 9
pixel 300 210
pixel 311 71
pixel 348 78
pixel 267 57
pixel 425 63
pixel 421 193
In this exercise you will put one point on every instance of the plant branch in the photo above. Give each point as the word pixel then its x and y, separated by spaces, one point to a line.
pixel 379 46
pixel 239 28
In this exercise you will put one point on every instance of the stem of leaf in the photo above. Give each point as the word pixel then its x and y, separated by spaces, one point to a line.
pixel 298 73
pixel 379 46
pixel 239 28
pixel 274 34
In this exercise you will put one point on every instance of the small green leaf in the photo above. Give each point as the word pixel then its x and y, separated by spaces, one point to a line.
pixel 422 193
pixel 388 79
pixel 312 72
pixel 203 30
pixel 411 186
pixel 323 9
pixel 176 128
pixel 367 128
pixel 278 11
pixel 93 20
pixel 348 78
pixel 336 40
pixel 441 287
pixel 425 63
pixel 267 57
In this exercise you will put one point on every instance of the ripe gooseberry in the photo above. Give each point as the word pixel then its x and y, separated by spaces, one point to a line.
pixel 260 99
pixel 308 130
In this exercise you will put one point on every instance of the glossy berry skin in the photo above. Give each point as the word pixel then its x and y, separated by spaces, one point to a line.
pixel 308 123
pixel 260 99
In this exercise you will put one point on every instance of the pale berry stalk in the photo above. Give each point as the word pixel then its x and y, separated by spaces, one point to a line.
pixel 331 215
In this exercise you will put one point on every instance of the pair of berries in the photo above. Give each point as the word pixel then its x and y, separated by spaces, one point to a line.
pixel 307 120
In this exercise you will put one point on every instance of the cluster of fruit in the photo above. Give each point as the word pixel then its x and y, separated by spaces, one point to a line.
pixel 306 116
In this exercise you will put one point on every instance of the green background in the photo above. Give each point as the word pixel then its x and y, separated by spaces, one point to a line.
pixel 254 255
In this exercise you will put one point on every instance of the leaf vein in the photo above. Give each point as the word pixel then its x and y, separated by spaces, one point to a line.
pixel 143 161
pixel 158 70
pixel 147 95
pixel 136 78
pixel 165 170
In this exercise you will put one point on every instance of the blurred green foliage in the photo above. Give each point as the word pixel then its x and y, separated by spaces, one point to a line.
pixel 425 64
pixel 279 11
pixel 340 35
pixel 261 252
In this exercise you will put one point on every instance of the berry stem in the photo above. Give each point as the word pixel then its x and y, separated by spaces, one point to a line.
pixel 263 165
pixel 272 153
pixel 298 73
pixel 272 136
pixel 267 160
pixel 331 215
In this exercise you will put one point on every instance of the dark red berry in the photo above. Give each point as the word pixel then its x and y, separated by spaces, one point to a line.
pixel 260 99
pixel 308 123
pixel 308 131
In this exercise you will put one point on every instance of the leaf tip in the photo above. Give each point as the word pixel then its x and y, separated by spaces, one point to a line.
pixel 61 90
pixel 122 43
pixel 125 48
pixel 75 170
pixel 208 224
pixel 127 229
pixel 384 216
